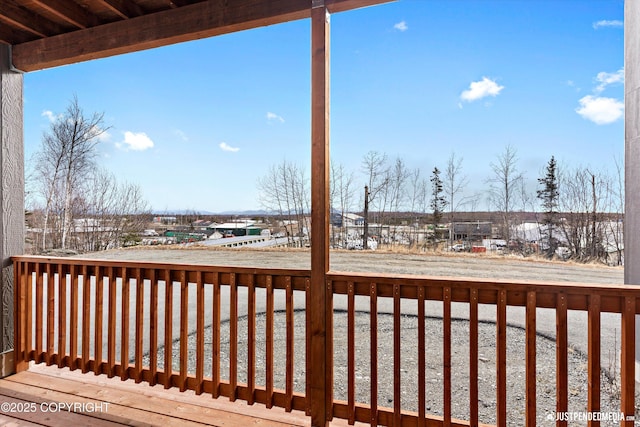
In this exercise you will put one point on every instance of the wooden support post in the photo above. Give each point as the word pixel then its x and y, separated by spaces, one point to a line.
pixel 632 152
pixel 11 197
pixel 318 298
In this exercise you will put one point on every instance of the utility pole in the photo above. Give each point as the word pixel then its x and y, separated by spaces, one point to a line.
pixel 365 234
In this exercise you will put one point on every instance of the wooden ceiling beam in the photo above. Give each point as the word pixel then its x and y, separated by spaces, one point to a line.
pixel 178 3
pixel 123 8
pixel 70 12
pixel 196 21
pixel 8 35
pixel 26 20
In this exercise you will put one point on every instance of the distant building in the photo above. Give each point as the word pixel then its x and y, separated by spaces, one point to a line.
pixel 472 231
pixel 237 228
pixel 346 220
pixel 201 224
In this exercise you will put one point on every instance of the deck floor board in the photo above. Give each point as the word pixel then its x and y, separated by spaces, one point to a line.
pixel 128 403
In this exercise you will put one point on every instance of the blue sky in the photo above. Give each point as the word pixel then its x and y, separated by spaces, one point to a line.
pixel 197 124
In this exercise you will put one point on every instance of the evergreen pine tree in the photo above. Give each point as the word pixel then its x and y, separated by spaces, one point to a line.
pixel 438 200
pixel 548 195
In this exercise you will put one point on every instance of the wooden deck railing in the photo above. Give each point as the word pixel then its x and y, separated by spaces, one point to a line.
pixel 118 318
pixel 78 314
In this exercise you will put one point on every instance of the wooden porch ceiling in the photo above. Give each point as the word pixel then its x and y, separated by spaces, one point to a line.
pixel 50 33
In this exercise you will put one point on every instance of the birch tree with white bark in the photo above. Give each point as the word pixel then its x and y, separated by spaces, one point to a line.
pixel 66 157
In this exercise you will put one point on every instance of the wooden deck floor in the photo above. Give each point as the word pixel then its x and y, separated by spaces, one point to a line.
pixel 33 398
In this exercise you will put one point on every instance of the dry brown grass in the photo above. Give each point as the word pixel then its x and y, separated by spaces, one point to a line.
pixel 387 249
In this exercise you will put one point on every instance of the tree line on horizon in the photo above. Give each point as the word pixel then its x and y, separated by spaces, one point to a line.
pixel 578 207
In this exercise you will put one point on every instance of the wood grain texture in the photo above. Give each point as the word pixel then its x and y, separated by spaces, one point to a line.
pixel 196 21
pixel 320 376
pixel 11 190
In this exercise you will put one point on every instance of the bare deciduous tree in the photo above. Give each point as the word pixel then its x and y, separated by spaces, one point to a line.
pixel 285 189
pixel 582 194
pixel 503 186
pixel 397 182
pixel 341 192
pixel 454 183
pixel 376 171
pixel 615 230
pixel 66 156
pixel 109 214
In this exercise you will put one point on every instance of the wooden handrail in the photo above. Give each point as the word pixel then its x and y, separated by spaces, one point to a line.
pixel 84 292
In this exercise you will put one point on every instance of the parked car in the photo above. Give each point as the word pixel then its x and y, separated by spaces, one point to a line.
pixel 458 247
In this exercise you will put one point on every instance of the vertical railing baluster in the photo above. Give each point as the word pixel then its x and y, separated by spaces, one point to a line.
pixel 269 343
pixel 593 353
pixel 184 329
pixel 627 361
pixel 73 319
pixel 328 351
pixel 446 354
pixel 86 320
pixel 199 333
pixel 19 308
pixel 562 367
pixel 501 358
pixel 29 313
pixel 421 359
pixel 51 308
pixel 215 337
pixel 397 360
pixel 111 326
pixel 351 352
pixel 39 304
pixel 18 316
pixel 233 336
pixel 99 312
pixel 168 327
pixel 530 369
pixel 62 318
pixel 124 334
pixel 373 331
pixel 289 345
pixel 307 345
pixel 153 328
pixel 473 358
pixel 139 324
pixel 251 339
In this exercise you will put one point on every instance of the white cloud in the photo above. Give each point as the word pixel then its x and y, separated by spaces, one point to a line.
pixel 605 23
pixel 401 26
pixel 481 89
pixel 600 110
pixel 274 116
pixel 136 141
pixel 226 147
pixel 605 79
pixel 49 115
